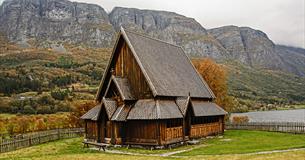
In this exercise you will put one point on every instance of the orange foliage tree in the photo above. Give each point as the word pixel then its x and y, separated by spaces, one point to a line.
pixel 79 110
pixel 216 77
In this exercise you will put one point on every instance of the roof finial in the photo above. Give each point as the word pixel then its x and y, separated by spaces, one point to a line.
pixel 122 28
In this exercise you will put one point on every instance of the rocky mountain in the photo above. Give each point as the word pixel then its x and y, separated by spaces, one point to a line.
pixel 249 46
pixel 170 27
pixel 48 22
pixel 294 58
pixel 53 21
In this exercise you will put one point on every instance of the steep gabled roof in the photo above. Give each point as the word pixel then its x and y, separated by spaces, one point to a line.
pixel 167 69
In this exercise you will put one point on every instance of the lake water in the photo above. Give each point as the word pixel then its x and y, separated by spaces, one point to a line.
pixel 297 115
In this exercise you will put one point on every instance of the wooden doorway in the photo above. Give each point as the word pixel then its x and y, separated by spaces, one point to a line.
pixel 187 121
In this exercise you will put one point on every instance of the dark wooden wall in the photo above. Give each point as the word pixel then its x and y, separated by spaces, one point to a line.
pixel 91 130
pixel 142 132
pixel 126 66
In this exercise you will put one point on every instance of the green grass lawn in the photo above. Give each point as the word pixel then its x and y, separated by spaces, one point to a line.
pixel 214 149
pixel 242 141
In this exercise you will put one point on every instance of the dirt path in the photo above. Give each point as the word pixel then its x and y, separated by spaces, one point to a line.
pixel 172 154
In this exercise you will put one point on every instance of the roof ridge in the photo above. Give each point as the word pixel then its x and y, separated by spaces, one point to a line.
pixel 158 109
pixel 119 111
pixel 146 36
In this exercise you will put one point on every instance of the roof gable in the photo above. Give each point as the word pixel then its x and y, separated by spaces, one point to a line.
pixel 166 68
pixel 123 87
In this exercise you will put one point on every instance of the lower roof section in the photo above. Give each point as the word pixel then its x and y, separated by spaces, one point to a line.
pixel 154 109
pixel 92 114
pixel 202 108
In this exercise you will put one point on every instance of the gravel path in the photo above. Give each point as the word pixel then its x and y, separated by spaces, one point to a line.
pixel 172 154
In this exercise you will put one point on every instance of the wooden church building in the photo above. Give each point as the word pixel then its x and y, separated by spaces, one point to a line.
pixel 151 94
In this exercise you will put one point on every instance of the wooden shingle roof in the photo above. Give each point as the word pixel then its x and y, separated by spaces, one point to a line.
pixel 121 113
pixel 150 109
pixel 110 106
pixel 167 69
pixel 124 88
pixel 92 114
pixel 202 108
pixel 183 103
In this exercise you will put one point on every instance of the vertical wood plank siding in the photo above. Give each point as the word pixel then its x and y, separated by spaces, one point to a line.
pixel 91 130
pixel 141 132
pixel 126 66
pixel 203 130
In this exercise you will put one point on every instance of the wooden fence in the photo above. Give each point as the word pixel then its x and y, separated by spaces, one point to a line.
pixel 287 127
pixel 35 138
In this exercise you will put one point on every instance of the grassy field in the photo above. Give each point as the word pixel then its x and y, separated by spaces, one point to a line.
pixel 234 145
pixel 242 141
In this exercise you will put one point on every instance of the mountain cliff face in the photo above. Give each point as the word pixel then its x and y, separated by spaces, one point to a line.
pixel 170 27
pixel 252 47
pixel 60 21
pixel 55 20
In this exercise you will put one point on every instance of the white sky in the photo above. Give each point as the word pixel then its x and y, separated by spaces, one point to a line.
pixel 282 20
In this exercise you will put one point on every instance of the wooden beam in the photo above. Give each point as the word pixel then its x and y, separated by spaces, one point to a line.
pixel 183 128
pixel 158 132
pixel 98 132
pixel 86 130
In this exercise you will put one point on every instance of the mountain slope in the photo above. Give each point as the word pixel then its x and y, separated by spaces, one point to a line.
pixel 52 21
pixel 249 46
pixel 293 58
pixel 170 27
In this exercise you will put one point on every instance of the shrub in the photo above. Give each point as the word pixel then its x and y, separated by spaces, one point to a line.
pixel 60 94
pixel 5 109
pixel 29 110
pixel 44 110
pixel 46 100
pixel 40 125
pixel 23 125
pixel 17 105
pixel 240 119
pixel 62 107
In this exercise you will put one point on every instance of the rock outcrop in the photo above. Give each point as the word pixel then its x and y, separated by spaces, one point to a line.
pixel 170 27
pixel 52 21
pixel 249 46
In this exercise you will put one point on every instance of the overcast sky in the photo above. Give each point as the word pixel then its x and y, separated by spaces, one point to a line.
pixel 282 20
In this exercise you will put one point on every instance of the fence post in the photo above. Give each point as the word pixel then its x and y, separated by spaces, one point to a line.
pixel 58 133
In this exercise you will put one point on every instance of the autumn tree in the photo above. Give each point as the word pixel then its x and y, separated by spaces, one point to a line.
pixel 79 110
pixel 23 124
pixel 40 125
pixel 216 77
